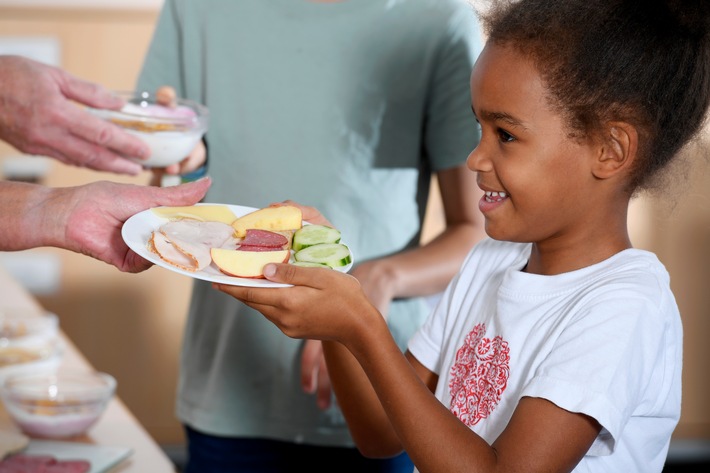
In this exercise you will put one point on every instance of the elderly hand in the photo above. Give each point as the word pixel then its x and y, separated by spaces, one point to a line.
pixel 38 116
pixel 85 219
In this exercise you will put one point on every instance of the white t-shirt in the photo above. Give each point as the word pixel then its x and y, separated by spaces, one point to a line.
pixel 605 341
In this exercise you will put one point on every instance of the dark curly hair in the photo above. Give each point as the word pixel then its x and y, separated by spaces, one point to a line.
pixel 646 62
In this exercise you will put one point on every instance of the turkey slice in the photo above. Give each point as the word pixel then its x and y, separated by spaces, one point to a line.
pixel 187 243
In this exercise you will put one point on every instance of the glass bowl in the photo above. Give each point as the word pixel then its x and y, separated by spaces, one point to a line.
pixel 170 132
pixel 57 405
pixel 29 344
pixel 25 330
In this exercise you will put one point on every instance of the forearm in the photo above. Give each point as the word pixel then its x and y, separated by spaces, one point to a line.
pixel 372 433
pixel 435 439
pixel 428 269
pixel 31 217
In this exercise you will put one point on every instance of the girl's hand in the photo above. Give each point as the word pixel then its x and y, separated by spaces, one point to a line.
pixel 323 304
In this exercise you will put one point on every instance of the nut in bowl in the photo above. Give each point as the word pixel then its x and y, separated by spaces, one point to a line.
pixel 171 131
pixel 57 405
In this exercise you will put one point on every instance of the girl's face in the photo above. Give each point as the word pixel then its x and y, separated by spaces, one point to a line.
pixel 537 180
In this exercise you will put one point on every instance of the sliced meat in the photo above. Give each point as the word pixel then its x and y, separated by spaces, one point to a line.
pixel 264 238
pixel 211 234
pixel 172 254
pixel 258 248
pixel 187 243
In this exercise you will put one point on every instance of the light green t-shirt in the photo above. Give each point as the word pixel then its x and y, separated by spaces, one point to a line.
pixel 346 106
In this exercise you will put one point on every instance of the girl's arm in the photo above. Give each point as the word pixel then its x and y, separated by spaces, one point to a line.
pixel 421 271
pixel 387 398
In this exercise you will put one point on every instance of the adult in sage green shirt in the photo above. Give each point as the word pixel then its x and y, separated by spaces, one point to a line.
pixel 347 106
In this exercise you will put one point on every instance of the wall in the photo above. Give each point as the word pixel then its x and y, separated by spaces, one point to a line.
pixel 131 325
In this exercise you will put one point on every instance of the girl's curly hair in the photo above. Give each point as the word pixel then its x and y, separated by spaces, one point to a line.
pixel 646 62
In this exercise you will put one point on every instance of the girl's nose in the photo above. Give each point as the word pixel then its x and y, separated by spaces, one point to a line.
pixel 477 160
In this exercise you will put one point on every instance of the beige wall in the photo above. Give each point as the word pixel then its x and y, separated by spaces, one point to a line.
pixel 131 325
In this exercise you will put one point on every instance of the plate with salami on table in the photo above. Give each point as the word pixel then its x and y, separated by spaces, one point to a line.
pixel 230 244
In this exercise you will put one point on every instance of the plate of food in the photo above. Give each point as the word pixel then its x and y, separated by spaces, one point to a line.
pixel 231 244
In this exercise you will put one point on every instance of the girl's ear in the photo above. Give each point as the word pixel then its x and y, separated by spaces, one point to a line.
pixel 618 151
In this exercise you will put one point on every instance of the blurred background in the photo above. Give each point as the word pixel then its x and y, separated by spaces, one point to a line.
pixel 131 325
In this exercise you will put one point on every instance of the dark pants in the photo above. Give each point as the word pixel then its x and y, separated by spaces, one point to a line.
pixel 211 454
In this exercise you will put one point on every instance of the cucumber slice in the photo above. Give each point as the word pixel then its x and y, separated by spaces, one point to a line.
pixel 334 255
pixel 309 235
pixel 308 264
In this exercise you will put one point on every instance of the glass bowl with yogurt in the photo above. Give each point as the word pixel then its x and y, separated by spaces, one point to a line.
pixel 58 404
pixel 171 131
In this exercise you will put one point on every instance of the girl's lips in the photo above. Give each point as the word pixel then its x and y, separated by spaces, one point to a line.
pixel 492 200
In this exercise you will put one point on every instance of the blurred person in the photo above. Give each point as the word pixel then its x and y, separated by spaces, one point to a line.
pixel 349 106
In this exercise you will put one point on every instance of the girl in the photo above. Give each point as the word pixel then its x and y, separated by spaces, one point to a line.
pixel 558 345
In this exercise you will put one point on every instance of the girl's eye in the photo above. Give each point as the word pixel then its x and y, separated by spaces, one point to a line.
pixel 504 136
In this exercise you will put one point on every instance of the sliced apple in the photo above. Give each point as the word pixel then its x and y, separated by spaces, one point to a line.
pixel 246 264
pixel 286 217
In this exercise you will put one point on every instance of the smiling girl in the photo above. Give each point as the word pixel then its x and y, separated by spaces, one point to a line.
pixel 558 346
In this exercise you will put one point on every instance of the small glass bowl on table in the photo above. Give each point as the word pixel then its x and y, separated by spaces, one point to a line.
pixel 57 405
pixel 171 131
pixel 28 343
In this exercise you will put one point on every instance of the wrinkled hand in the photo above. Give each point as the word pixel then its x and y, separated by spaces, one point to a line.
pixel 38 116
pixel 92 216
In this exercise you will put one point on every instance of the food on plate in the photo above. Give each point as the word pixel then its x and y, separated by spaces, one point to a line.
pixel 210 237
pixel 260 240
pixel 205 213
pixel 308 264
pixel 26 463
pixel 334 255
pixel 282 218
pixel 310 235
pixel 247 264
pixel 187 243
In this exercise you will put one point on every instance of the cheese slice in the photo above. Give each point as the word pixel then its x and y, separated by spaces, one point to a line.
pixel 205 213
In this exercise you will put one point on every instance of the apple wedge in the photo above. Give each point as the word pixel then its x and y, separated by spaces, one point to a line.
pixel 286 217
pixel 246 264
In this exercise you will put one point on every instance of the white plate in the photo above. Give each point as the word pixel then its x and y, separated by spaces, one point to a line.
pixel 137 230
pixel 101 457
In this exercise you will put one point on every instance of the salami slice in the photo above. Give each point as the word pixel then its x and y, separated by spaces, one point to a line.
pixel 263 238
pixel 243 247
